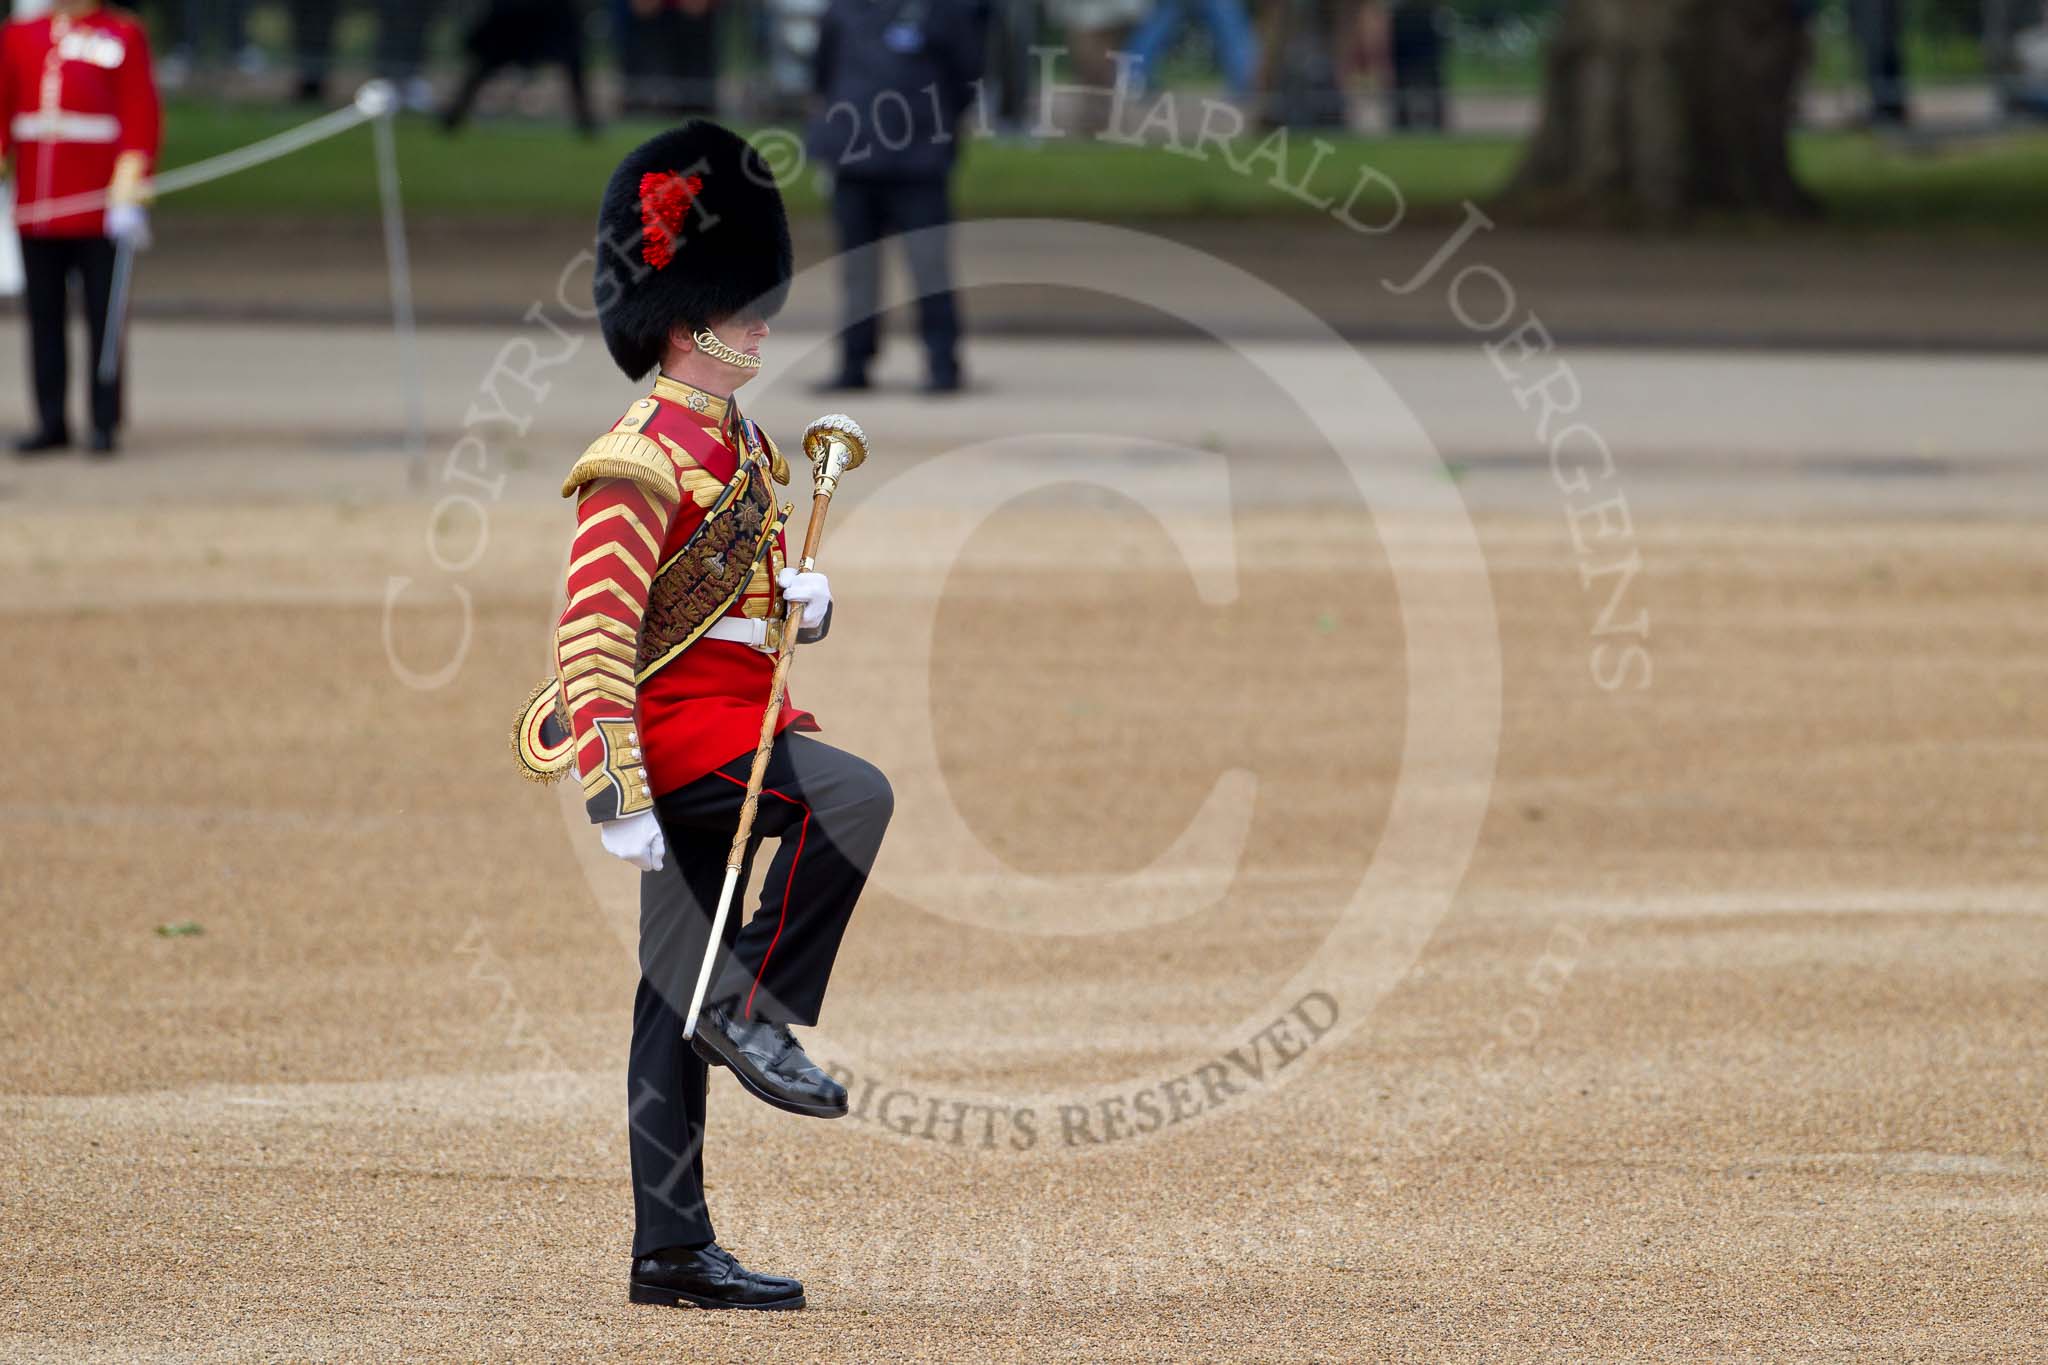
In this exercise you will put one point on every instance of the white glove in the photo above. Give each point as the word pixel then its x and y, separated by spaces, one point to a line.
pixel 637 839
pixel 812 590
pixel 129 225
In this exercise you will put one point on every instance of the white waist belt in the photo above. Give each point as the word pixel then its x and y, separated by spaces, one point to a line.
pixel 57 126
pixel 753 631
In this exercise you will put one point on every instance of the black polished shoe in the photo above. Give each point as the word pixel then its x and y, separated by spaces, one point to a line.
pixel 943 384
pixel 768 1062
pixel 42 443
pixel 103 443
pixel 708 1277
pixel 843 382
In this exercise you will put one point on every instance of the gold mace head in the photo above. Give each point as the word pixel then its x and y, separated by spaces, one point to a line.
pixel 834 444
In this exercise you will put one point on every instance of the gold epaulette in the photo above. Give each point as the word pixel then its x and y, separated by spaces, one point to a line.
pixel 625 455
pixel 627 452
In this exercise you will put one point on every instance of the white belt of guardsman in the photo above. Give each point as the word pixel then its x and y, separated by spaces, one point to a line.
pixel 54 125
pixel 753 631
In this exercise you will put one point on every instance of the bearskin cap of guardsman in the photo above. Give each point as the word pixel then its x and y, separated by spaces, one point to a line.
pixel 692 230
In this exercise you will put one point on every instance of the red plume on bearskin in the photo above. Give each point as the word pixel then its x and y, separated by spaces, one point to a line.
pixel 665 199
pixel 692 230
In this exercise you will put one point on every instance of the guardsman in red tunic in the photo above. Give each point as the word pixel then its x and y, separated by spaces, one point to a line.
pixel 80 125
pixel 676 588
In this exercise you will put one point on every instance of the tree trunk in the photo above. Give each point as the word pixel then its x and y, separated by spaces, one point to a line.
pixel 1657 111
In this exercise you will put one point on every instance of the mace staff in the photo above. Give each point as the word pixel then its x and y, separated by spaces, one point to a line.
pixel 834 444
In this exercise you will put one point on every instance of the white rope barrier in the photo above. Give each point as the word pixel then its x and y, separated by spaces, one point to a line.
pixel 374 100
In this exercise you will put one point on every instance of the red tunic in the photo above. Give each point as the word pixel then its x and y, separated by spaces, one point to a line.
pixel 75 95
pixel 701 709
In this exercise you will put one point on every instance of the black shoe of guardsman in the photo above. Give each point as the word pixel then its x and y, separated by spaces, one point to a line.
pixel 768 1062
pixel 708 1277
pixel 42 443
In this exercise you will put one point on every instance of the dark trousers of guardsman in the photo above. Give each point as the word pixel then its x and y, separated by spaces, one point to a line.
pixel 49 265
pixel 827 811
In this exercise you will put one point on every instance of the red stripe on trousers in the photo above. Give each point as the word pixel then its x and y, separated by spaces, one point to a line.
pixel 803 831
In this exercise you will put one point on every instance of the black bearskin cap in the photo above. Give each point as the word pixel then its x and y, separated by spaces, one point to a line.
pixel 692 229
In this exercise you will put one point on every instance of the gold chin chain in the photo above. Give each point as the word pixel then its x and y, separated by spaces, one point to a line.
pixel 710 344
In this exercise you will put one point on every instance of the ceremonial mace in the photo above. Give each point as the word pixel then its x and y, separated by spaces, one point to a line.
pixel 833 445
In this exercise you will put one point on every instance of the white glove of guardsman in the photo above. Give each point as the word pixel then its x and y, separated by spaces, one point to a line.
pixel 637 839
pixel 128 224
pixel 812 590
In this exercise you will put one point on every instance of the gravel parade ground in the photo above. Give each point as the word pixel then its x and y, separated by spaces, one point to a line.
pixel 1309 930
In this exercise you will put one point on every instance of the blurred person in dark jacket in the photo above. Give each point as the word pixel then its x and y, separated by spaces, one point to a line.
pixel 401 47
pixel 524 34
pixel 895 77
pixel 668 55
pixel 202 34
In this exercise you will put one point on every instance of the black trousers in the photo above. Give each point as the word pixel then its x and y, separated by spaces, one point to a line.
pixel 669 61
pixel 1879 28
pixel 524 34
pixel 313 24
pixel 482 69
pixel 827 811
pixel 1418 94
pixel 208 28
pixel 401 36
pixel 865 211
pixel 49 264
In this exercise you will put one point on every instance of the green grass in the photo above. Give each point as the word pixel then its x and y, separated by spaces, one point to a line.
pixel 1092 179
pixel 1993 186
pixel 521 170
pixel 1941 59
